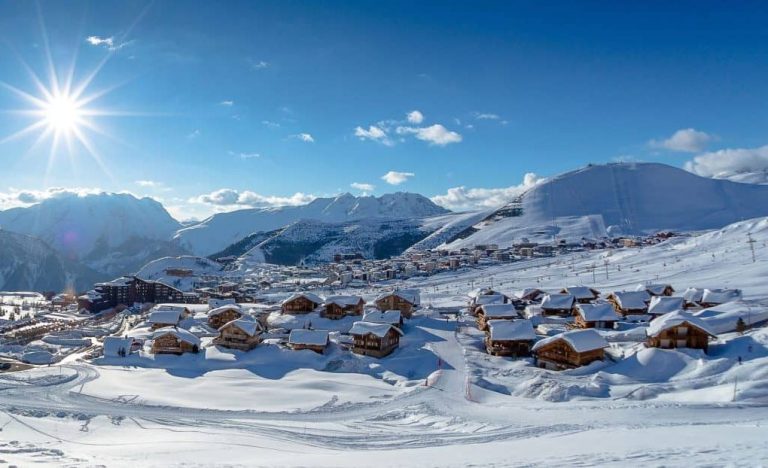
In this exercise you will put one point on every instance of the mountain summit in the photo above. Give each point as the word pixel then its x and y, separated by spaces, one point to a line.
pixel 223 229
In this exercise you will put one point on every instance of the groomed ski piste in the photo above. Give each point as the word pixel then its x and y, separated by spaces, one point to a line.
pixel 438 400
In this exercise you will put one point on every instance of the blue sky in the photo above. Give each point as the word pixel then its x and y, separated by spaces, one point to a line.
pixel 277 102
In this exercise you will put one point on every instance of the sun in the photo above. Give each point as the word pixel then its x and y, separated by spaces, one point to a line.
pixel 63 114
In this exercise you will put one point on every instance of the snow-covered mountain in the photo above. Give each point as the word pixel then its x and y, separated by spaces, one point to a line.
pixel 29 264
pixel 221 230
pixel 620 198
pixel 111 233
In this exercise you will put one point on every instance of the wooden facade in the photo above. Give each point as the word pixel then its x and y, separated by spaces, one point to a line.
pixel 683 335
pixel 395 302
pixel 225 316
pixel 171 344
pixel 336 311
pixel 299 305
pixel 234 337
pixel 312 347
pixel 513 348
pixel 580 322
pixel 560 355
pixel 372 345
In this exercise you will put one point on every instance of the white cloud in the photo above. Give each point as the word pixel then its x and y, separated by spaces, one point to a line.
pixel 462 198
pixel 258 64
pixel 434 134
pixel 486 116
pixel 18 198
pixel 193 134
pixel 687 140
pixel 227 103
pixel 148 183
pixel 373 133
pixel 108 43
pixel 270 124
pixel 396 178
pixel 252 155
pixel 306 137
pixel 727 163
pixel 230 198
pixel 362 187
pixel 415 117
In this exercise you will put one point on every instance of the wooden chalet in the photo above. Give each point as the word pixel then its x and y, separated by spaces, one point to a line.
pixel 693 297
pixel 715 297
pixel 375 339
pixel 490 312
pixel 582 294
pixel 595 316
pixel 678 330
pixel 662 305
pixel 224 314
pixel 558 305
pixel 241 333
pixel 391 317
pixel 530 294
pixel 486 299
pixel 404 300
pixel 314 340
pixel 509 338
pixel 337 307
pixel 301 303
pixel 173 340
pixel 570 350
pixel 630 302
pixel 166 315
pixel 656 289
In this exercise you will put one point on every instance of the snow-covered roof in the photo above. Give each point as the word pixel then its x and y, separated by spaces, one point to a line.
pixel 674 319
pixel 179 333
pixel 163 316
pixel 113 345
pixel 309 296
pixel 489 299
pixel 245 323
pixel 654 289
pixel 557 301
pixel 632 300
pixel 580 340
pixel 507 330
pixel 482 292
pixel 214 303
pixel 499 310
pixel 378 329
pixel 343 301
pixel 582 292
pixel 410 295
pixel 387 316
pixel 122 281
pixel 663 305
pixel 222 309
pixel 308 337
pixel 528 293
pixel 602 312
pixel 720 296
pixel 693 294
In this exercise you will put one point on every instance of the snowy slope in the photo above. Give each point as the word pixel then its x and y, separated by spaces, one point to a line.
pixel 156 270
pixel 29 264
pixel 78 225
pixel 221 230
pixel 622 198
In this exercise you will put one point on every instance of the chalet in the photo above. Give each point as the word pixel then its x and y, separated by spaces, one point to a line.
pixel 560 305
pixel 570 350
pixel 509 338
pixel 486 299
pixel 301 303
pixel 173 340
pixel 315 340
pixel 242 333
pixel 530 294
pixel 582 294
pixel 656 289
pixel 600 315
pixel 404 300
pixel 117 346
pixel 714 297
pixel 214 303
pixel 224 314
pixel 678 330
pixel 692 297
pixel 630 302
pixel 166 315
pixel 661 305
pixel 337 307
pixel 390 317
pixel 374 339
pixel 495 312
